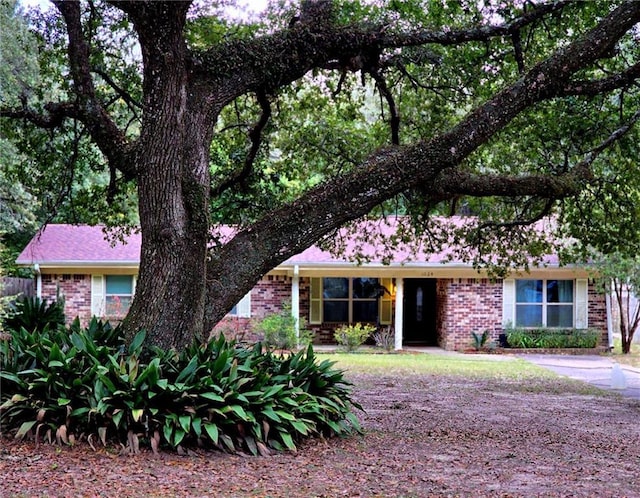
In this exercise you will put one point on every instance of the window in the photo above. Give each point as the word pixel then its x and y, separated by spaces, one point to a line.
pixel 118 294
pixel 544 303
pixel 243 308
pixel 350 299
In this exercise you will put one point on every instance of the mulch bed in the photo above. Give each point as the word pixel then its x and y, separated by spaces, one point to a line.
pixel 424 436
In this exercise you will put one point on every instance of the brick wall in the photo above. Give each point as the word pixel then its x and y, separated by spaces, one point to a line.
pixel 467 305
pixel 76 291
pixel 463 306
pixel 269 294
pixel 597 313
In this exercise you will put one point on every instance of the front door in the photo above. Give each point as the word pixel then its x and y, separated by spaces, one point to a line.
pixel 420 308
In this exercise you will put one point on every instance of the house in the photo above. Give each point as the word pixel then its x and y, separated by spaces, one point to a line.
pixel 426 300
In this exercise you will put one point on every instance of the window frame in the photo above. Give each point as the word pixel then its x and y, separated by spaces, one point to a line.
pixel 99 293
pixel 317 295
pixel 544 303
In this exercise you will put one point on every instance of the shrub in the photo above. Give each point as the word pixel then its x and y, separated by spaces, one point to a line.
pixel 385 338
pixel 60 385
pixel 552 338
pixel 479 341
pixel 279 330
pixel 351 337
pixel 34 314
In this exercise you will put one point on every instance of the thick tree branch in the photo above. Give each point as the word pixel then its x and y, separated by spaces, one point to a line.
pixel 590 88
pixel 275 60
pixel 389 172
pixel 89 110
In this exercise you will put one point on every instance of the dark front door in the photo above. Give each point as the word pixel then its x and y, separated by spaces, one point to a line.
pixel 420 312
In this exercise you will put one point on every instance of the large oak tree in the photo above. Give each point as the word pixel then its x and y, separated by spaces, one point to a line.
pixel 489 82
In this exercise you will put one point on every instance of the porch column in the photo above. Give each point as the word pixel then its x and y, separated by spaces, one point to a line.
pixel 399 313
pixel 36 269
pixel 295 299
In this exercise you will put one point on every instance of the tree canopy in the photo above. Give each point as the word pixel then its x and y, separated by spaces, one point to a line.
pixel 320 113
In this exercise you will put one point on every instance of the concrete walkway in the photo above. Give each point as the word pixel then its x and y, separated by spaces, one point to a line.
pixel 593 369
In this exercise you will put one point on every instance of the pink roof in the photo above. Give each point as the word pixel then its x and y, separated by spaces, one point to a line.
pixel 78 244
pixel 83 245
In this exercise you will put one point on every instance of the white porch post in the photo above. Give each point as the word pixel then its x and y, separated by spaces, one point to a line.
pixel 295 299
pixel 399 313
pixel 36 269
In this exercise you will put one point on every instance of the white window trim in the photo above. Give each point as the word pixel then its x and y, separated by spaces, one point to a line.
pixel 580 302
pixel 243 307
pixel 99 293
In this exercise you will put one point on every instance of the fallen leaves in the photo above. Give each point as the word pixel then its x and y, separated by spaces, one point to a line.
pixel 423 437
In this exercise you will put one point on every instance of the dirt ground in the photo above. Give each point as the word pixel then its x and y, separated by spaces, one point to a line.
pixel 424 436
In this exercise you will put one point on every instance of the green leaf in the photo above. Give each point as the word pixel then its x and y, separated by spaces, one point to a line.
pixel 196 425
pixel 287 440
pixel 136 414
pixel 63 401
pixel 117 417
pixel 212 396
pixel 285 415
pixel 212 431
pixel 167 431
pixel 55 363
pixel 78 342
pixel 188 371
pixel 301 427
pixel 272 415
pixel 137 342
pixel 24 428
pixel 178 436
pixel 238 410
pixel 185 422
pixel 10 376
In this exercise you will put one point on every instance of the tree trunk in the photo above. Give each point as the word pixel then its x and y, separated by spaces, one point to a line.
pixel 173 192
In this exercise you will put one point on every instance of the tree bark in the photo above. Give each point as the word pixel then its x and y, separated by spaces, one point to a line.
pixel 173 191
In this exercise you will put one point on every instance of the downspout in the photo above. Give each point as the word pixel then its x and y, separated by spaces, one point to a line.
pixel 36 270
pixel 609 321
pixel 295 300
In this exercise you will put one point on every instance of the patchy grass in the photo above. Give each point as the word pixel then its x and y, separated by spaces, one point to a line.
pixel 631 359
pixel 470 366
pixel 494 372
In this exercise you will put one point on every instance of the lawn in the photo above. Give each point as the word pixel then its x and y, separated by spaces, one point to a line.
pixel 632 359
pixel 496 367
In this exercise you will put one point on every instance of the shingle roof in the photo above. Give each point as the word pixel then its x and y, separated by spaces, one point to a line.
pixel 78 244
pixel 84 245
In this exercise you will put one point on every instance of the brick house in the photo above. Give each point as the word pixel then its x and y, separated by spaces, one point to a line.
pixel 425 301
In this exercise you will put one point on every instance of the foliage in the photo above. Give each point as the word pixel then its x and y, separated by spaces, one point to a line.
pixel 552 338
pixel 277 123
pixel 618 275
pixel 67 384
pixel 385 337
pixel 479 340
pixel 32 313
pixel 279 330
pixel 351 337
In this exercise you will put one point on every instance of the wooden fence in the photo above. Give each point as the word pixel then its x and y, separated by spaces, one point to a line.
pixel 11 286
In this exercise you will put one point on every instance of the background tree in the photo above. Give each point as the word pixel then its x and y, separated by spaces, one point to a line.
pixel 512 104
pixel 619 276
